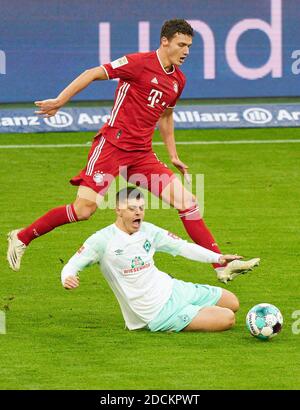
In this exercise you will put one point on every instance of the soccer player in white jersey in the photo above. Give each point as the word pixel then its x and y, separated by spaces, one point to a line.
pixel 148 297
pixel 149 86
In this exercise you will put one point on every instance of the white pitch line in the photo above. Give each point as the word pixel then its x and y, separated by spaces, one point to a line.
pixel 88 144
pixel 45 146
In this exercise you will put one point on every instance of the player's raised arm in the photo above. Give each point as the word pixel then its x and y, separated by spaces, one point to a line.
pixel 50 107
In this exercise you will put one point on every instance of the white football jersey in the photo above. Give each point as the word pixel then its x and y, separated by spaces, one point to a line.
pixel 127 263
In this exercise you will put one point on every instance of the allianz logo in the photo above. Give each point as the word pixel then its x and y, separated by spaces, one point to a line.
pixel 257 115
pixel 60 120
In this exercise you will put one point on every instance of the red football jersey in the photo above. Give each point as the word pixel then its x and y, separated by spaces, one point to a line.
pixel 144 91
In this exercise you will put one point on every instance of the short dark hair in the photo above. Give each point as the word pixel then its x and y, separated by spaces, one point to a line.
pixel 129 193
pixel 171 27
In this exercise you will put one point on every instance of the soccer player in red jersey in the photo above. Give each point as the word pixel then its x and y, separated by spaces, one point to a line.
pixel 149 86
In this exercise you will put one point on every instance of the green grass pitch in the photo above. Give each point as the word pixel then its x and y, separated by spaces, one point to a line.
pixel 76 340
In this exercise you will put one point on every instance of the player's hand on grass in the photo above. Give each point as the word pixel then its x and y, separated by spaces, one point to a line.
pixel 228 258
pixel 48 108
pixel 183 168
pixel 71 282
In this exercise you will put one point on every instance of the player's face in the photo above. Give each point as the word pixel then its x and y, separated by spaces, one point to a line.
pixel 178 48
pixel 131 215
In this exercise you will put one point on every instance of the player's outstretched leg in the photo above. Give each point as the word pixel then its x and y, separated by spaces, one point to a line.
pixel 186 204
pixel 80 210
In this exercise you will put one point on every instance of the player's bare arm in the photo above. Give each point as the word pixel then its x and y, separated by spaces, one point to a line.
pixel 50 107
pixel 166 128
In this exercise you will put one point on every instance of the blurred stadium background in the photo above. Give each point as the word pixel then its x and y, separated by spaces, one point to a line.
pixel 237 123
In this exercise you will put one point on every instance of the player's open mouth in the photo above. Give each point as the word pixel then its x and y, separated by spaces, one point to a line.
pixel 136 222
pixel 182 59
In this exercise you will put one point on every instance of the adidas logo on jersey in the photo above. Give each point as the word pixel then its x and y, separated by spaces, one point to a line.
pixel 154 80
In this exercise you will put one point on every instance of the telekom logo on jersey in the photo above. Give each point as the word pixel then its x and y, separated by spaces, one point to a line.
pixel 273 31
pixel 154 97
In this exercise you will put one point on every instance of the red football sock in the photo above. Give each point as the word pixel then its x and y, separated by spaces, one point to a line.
pixel 52 219
pixel 198 232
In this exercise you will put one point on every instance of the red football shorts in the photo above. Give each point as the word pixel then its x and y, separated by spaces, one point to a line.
pixel 106 161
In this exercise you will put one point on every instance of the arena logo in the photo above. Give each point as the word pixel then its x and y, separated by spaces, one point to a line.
pixel 2 62
pixel 60 120
pixel 257 115
pixel 272 30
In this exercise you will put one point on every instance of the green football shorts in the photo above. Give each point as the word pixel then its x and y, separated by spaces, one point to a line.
pixel 183 305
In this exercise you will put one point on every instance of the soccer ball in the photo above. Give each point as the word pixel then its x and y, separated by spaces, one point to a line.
pixel 264 321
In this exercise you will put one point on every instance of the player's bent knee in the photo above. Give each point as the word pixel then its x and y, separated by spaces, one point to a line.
pixel 235 303
pixel 85 214
pixel 188 201
pixel 229 320
pixel 84 209
pixel 229 300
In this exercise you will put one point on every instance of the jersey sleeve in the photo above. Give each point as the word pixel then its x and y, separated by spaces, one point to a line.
pixel 90 253
pixel 126 68
pixel 198 253
pixel 167 242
